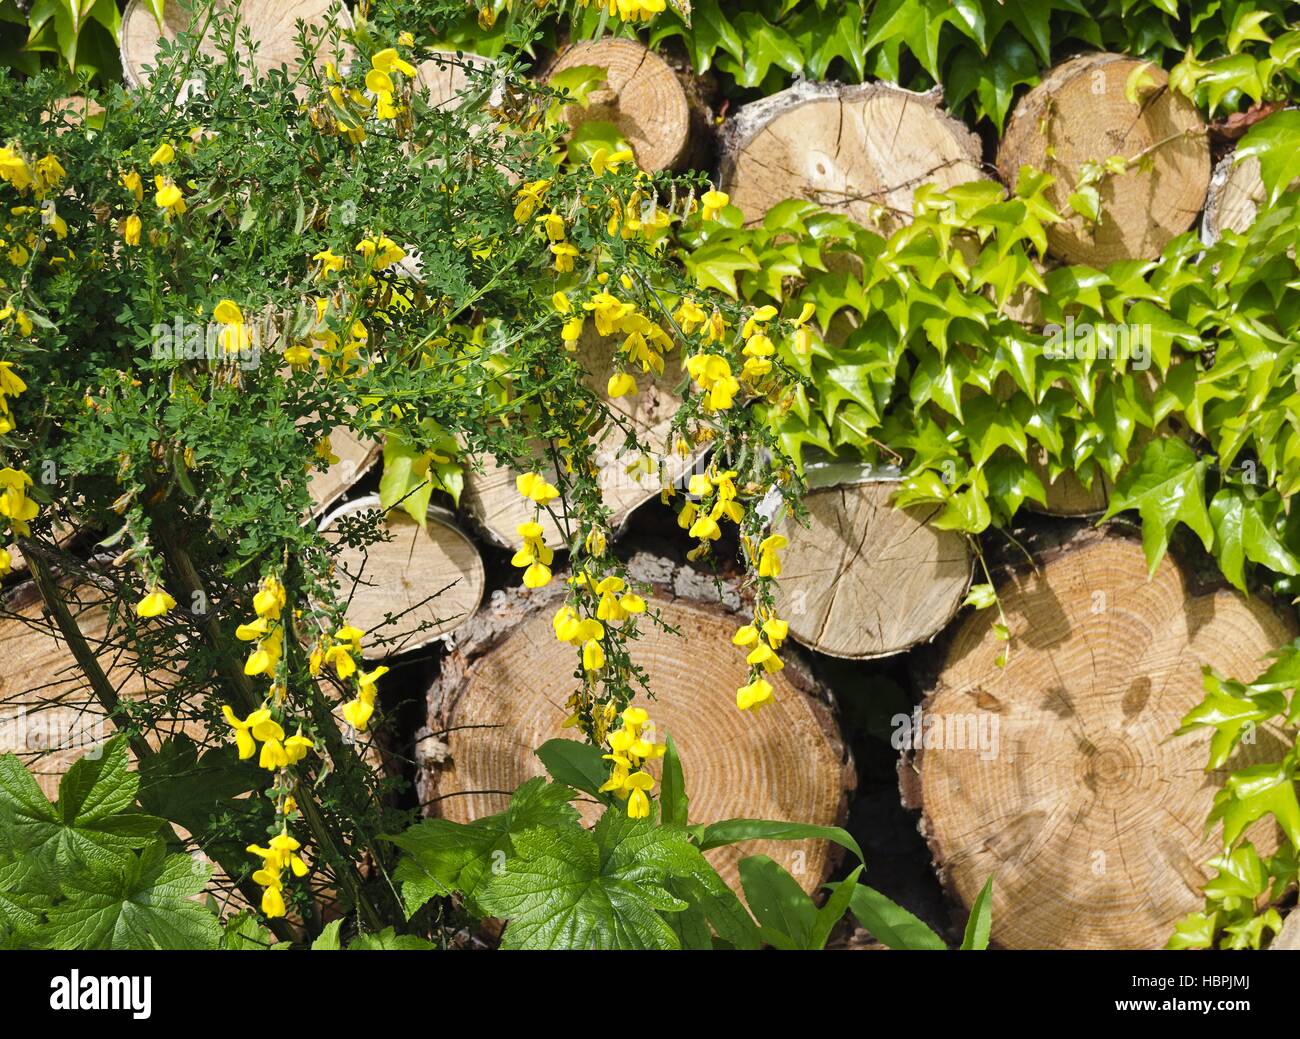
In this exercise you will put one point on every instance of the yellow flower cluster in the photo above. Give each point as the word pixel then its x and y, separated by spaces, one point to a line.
pixel 39 177
pixel 630 10
pixel 266 630
pixel 716 496
pixel 764 636
pixel 281 855
pixel 278 751
pixel 534 556
pixel 379 81
pixel 528 198
pixel 630 747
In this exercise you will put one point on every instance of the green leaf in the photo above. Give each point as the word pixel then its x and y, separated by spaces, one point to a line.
pixel 1246 527
pixel 1275 142
pixel 673 801
pixel 786 915
pixel 388 940
pixel 890 923
pixel 443 856
pixel 575 764
pixel 1231 709
pixel 149 904
pixel 733 831
pixel 1166 486
pixel 980 920
pixel 328 939
pixel 765 45
pixel 599 889
pixel 836 906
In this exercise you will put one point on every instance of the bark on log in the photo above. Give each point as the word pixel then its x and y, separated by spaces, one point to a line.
pixel 432 577
pixel 865 579
pixel 493 503
pixel 1056 774
pixel 1236 194
pixel 1079 113
pixel 642 96
pixel 273 24
pixel 501 694
pixel 859 150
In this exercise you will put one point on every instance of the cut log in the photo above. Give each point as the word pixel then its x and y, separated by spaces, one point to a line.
pixel 859 150
pixel 429 581
pixel 445 77
pixel 1066 495
pixel 1236 194
pixel 1056 774
pixel 49 716
pixel 356 457
pixel 273 24
pixel 642 96
pixel 865 579
pixel 1079 113
pixel 494 504
pixel 501 694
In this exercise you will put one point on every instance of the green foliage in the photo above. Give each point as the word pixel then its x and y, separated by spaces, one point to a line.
pixel 90 871
pixel 1241 902
pixel 77 37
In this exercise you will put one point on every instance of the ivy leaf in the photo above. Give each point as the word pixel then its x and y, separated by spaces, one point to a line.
pixel 443 856
pixel 891 924
pixel 714 266
pixel 1252 793
pixel 148 904
pixel 1275 142
pixel 1166 486
pixel 765 45
pixel 1246 527
pixel 1231 709
pixel 598 889
pixel 992 78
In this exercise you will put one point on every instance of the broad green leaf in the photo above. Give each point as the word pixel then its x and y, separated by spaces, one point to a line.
pixel 387 940
pixel 598 889
pixel 836 906
pixel 148 904
pixel 575 764
pixel 1247 527
pixel 1275 142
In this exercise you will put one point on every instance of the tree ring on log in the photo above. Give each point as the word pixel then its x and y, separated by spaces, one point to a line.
pixel 431 581
pixel 1086 812
pixel 502 690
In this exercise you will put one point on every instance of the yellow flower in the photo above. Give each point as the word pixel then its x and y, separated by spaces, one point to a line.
pixel 638 804
pixel 754 695
pixel 388 61
pixel 705 528
pixel 258 724
pixel 713 374
pixel 382 250
pixel 357 714
pixel 593 656
pixel 769 563
pixel 296 747
pixel 131 230
pixel 168 197
pixel 329 263
pixel 14 169
pixel 340 658
pixel 350 635
pixel 6 562
pixel 535 487
pixel 621 384
pixel 561 303
pixel 367 680
pixel 270 598
pixel 131 181
pixel 763 655
pixel 272 902
pixel 164 154
pixel 154 604
pixel 564 253
pixel 604 160
pixel 714 203
pixel 554 225
pixel 379 82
